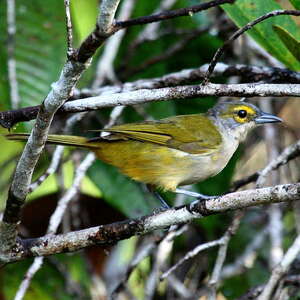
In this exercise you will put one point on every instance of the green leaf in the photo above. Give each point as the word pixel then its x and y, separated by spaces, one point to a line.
pixel 291 43
pixel 40 47
pixel 84 15
pixel 118 190
pixel 244 11
pixel 295 3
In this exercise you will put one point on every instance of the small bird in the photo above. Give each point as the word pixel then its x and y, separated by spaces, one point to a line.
pixel 175 151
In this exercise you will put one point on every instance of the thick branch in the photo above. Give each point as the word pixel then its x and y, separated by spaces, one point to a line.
pixel 182 92
pixel 112 233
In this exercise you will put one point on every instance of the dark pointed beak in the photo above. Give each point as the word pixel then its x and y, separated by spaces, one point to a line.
pixel 267 118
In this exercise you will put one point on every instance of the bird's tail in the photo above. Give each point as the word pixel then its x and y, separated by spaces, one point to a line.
pixel 69 140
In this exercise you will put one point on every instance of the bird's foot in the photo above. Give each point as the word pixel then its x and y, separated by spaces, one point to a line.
pixel 198 196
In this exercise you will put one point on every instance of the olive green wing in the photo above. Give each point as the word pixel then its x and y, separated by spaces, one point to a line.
pixel 194 134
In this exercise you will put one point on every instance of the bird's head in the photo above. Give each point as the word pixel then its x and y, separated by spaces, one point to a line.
pixel 238 117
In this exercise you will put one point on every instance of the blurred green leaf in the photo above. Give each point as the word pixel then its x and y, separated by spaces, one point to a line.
pixel 84 15
pixel 291 43
pixel 295 3
pixel 243 11
pixel 38 61
pixel 118 190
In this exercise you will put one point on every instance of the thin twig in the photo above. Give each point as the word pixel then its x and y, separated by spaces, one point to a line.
pixel 247 258
pixel 105 68
pixel 70 49
pixel 36 265
pixel 11 61
pixel 216 274
pixel 150 32
pixel 239 32
pixel 288 154
pixel 55 220
pixel 57 154
pixel 191 254
pixel 170 14
pixel 280 270
pixel 271 136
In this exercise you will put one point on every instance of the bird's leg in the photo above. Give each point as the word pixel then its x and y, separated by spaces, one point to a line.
pixel 158 196
pixel 194 194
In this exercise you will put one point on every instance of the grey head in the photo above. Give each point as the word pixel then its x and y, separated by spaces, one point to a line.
pixel 238 118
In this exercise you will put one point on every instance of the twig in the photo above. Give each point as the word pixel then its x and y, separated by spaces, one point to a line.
pixel 172 50
pixel 179 287
pixel 105 69
pixel 36 265
pixel 70 49
pixel 170 14
pixel 288 154
pixel 150 31
pixel 191 254
pixel 280 270
pixel 57 154
pixel 11 61
pixel 216 274
pixel 244 181
pixel 56 218
pixel 246 259
pixel 239 32
pixel 275 215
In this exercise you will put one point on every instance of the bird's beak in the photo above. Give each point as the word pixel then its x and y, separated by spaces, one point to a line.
pixel 267 118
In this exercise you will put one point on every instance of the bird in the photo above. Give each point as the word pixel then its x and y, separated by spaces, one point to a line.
pixel 172 152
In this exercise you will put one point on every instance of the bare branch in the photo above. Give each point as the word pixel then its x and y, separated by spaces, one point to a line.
pixel 247 258
pixel 216 274
pixel 190 255
pixel 38 261
pixel 11 61
pixel 105 69
pixel 280 270
pixel 272 139
pixel 182 92
pixel 57 154
pixel 250 73
pixel 242 30
pixel 111 233
pixel 288 154
pixel 60 92
pixel 170 14
pixel 70 49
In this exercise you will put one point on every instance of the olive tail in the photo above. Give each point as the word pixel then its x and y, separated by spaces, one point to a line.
pixel 69 140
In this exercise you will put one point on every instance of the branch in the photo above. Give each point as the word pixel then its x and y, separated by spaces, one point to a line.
pixel 171 14
pixel 60 92
pixel 280 270
pixel 11 61
pixel 239 32
pixel 182 92
pixel 112 233
pixel 252 73
pixel 288 154
pixel 216 274
pixel 69 27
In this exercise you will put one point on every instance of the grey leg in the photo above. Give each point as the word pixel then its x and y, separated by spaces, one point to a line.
pixel 194 194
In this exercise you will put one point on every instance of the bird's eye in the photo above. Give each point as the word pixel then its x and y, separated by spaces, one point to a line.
pixel 242 113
